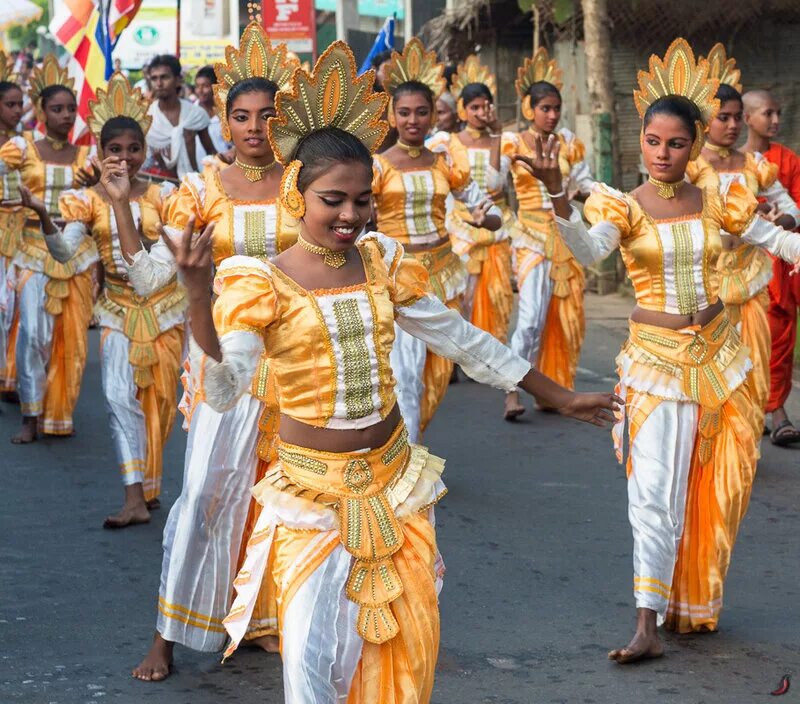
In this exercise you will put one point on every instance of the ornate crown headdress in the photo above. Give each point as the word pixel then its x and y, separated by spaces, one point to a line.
pixel 48 74
pixel 118 99
pixel 471 70
pixel 6 67
pixel 255 57
pixel 332 95
pixel 414 64
pixel 539 67
pixel 723 68
pixel 679 74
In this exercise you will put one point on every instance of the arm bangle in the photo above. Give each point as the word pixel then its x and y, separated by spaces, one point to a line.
pixel 556 195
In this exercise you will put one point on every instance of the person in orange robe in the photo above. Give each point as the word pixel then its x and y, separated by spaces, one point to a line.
pixel 762 115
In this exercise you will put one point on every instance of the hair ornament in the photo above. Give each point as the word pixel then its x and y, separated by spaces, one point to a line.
pixel 255 58
pixel 44 76
pixel 118 99
pixel 723 68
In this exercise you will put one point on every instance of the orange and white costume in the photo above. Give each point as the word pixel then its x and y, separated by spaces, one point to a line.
pixel 692 441
pixel 54 299
pixel 745 272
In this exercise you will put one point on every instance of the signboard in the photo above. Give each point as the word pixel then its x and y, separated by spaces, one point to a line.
pixel 202 52
pixel 154 30
pixel 207 27
pixel 369 8
pixel 293 22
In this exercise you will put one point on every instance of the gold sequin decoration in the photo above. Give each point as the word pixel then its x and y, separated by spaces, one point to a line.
pixel 355 359
pixel 358 475
pixel 384 523
pixel 56 188
pixel 397 447
pixel 302 461
pixel 420 202
pixel 684 265
pixel 255 233
pixel 657 339
pixel 353 525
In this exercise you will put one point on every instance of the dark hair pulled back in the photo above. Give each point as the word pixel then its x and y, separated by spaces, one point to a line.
pixel 6 86
pixel 118 125
pixel 325 148
pixel 726 93
pixel 250 85
pixel 414 87
pixel 51 92
pixel 541 90
pixel 675 106
pixel 472 91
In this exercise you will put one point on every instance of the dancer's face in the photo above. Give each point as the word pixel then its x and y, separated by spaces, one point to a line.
pixel 547 113
pixel 413 116
pixel 60 111
pixel 248 124
pixel 478 111
pixel 338 205
pixel 11 108
pixel 446 117
pixel 129 147
pixel 666 145
pixel 726 127
pixel 764 118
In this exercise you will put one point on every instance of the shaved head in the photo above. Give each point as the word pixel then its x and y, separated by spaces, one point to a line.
pixel 754 99
pixel 762 114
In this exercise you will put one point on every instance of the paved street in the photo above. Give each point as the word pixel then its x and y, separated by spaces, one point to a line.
pixel 534 534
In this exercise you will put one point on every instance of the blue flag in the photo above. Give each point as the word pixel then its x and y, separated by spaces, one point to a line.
pixel 384 41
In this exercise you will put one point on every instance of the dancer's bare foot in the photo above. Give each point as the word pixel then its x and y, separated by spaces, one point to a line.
pixel 270 644
pixel 134 511
pixel 28 431
pixel 645 644
pixel 513 408
pixel 157 664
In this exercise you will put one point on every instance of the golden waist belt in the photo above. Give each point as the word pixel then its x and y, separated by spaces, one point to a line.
pixel 359 486
pixel 542 227
pixel 443 265
pixel 698 356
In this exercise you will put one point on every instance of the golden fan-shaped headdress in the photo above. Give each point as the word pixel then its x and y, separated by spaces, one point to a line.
pixel 48 74
pixel 118 99
pixel 469 71
pixel 415 64
pixel 723 68
pixel 539 67
pixel 6 67
pixel 255 57
pixel 333 95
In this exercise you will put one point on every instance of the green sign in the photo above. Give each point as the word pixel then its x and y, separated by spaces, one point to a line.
pixel 146 35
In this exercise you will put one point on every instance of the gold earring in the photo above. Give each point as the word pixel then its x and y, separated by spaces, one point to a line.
pixel 527 110
pixel 699 140
pixel 291 198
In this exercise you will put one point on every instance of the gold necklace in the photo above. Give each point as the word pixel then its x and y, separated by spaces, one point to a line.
pixel 56 144
pixel 335 260
pixel 415 152
pixel 475 133
pixel 254 173
pixel 724 152
pixel 666 189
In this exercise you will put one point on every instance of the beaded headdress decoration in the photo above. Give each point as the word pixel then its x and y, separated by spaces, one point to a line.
pixel 679 74
pixel 44 76
pixel 414 64
pixel 255 58
pixel 118 99
pixel 537 68
pixel 469 71
pixel 723 68
pixel 332 95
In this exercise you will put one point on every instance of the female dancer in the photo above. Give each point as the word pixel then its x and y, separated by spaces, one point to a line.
pixel 550 324
pixel 12 220
pixel 206 525
pixel 141 337
pixel 744 270
pixel 54 298
pixel 410 187
pixel 683 370
pixel 347 529
pixel 489 296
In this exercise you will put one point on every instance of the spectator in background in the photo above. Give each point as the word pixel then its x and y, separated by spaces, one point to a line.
pixel 379 63
pixel 118 67
pixel 204 90
pixel 171 141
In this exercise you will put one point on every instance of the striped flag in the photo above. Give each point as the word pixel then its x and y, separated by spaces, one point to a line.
pixel 89 30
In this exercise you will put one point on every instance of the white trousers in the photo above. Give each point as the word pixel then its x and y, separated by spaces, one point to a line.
pixel 407 359
pixel 125 415
pixel 204 529
pixel 534 300
pixel 7 302
pixel 34 344
pixel 661 457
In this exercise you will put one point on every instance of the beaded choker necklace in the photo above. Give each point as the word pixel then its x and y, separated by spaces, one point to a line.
pixel 254 173
pixel 476 133
pixel 335 260
pixel 412 150
pixel 724 152
pixel 56 144
pixel 666 189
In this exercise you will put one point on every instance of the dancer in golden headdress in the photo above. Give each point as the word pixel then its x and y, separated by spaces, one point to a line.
pixel 141 337
pixel 240 203
pixel 489 296
pixel 411 186
pixel 12 220
pixel 54 298
pixel 347 530
pixel 744 270
pixel 550 323
pixel 683 371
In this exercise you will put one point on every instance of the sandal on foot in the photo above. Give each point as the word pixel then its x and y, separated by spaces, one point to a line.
pixel 784 439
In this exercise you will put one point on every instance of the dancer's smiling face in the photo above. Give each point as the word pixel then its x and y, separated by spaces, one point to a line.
pixel 413 115
pixel 247 120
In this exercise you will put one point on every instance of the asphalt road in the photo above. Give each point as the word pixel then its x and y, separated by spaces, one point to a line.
pixel 534 534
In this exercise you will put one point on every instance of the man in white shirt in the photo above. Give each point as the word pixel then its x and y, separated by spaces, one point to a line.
pixel 204 82
pixel 176 123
